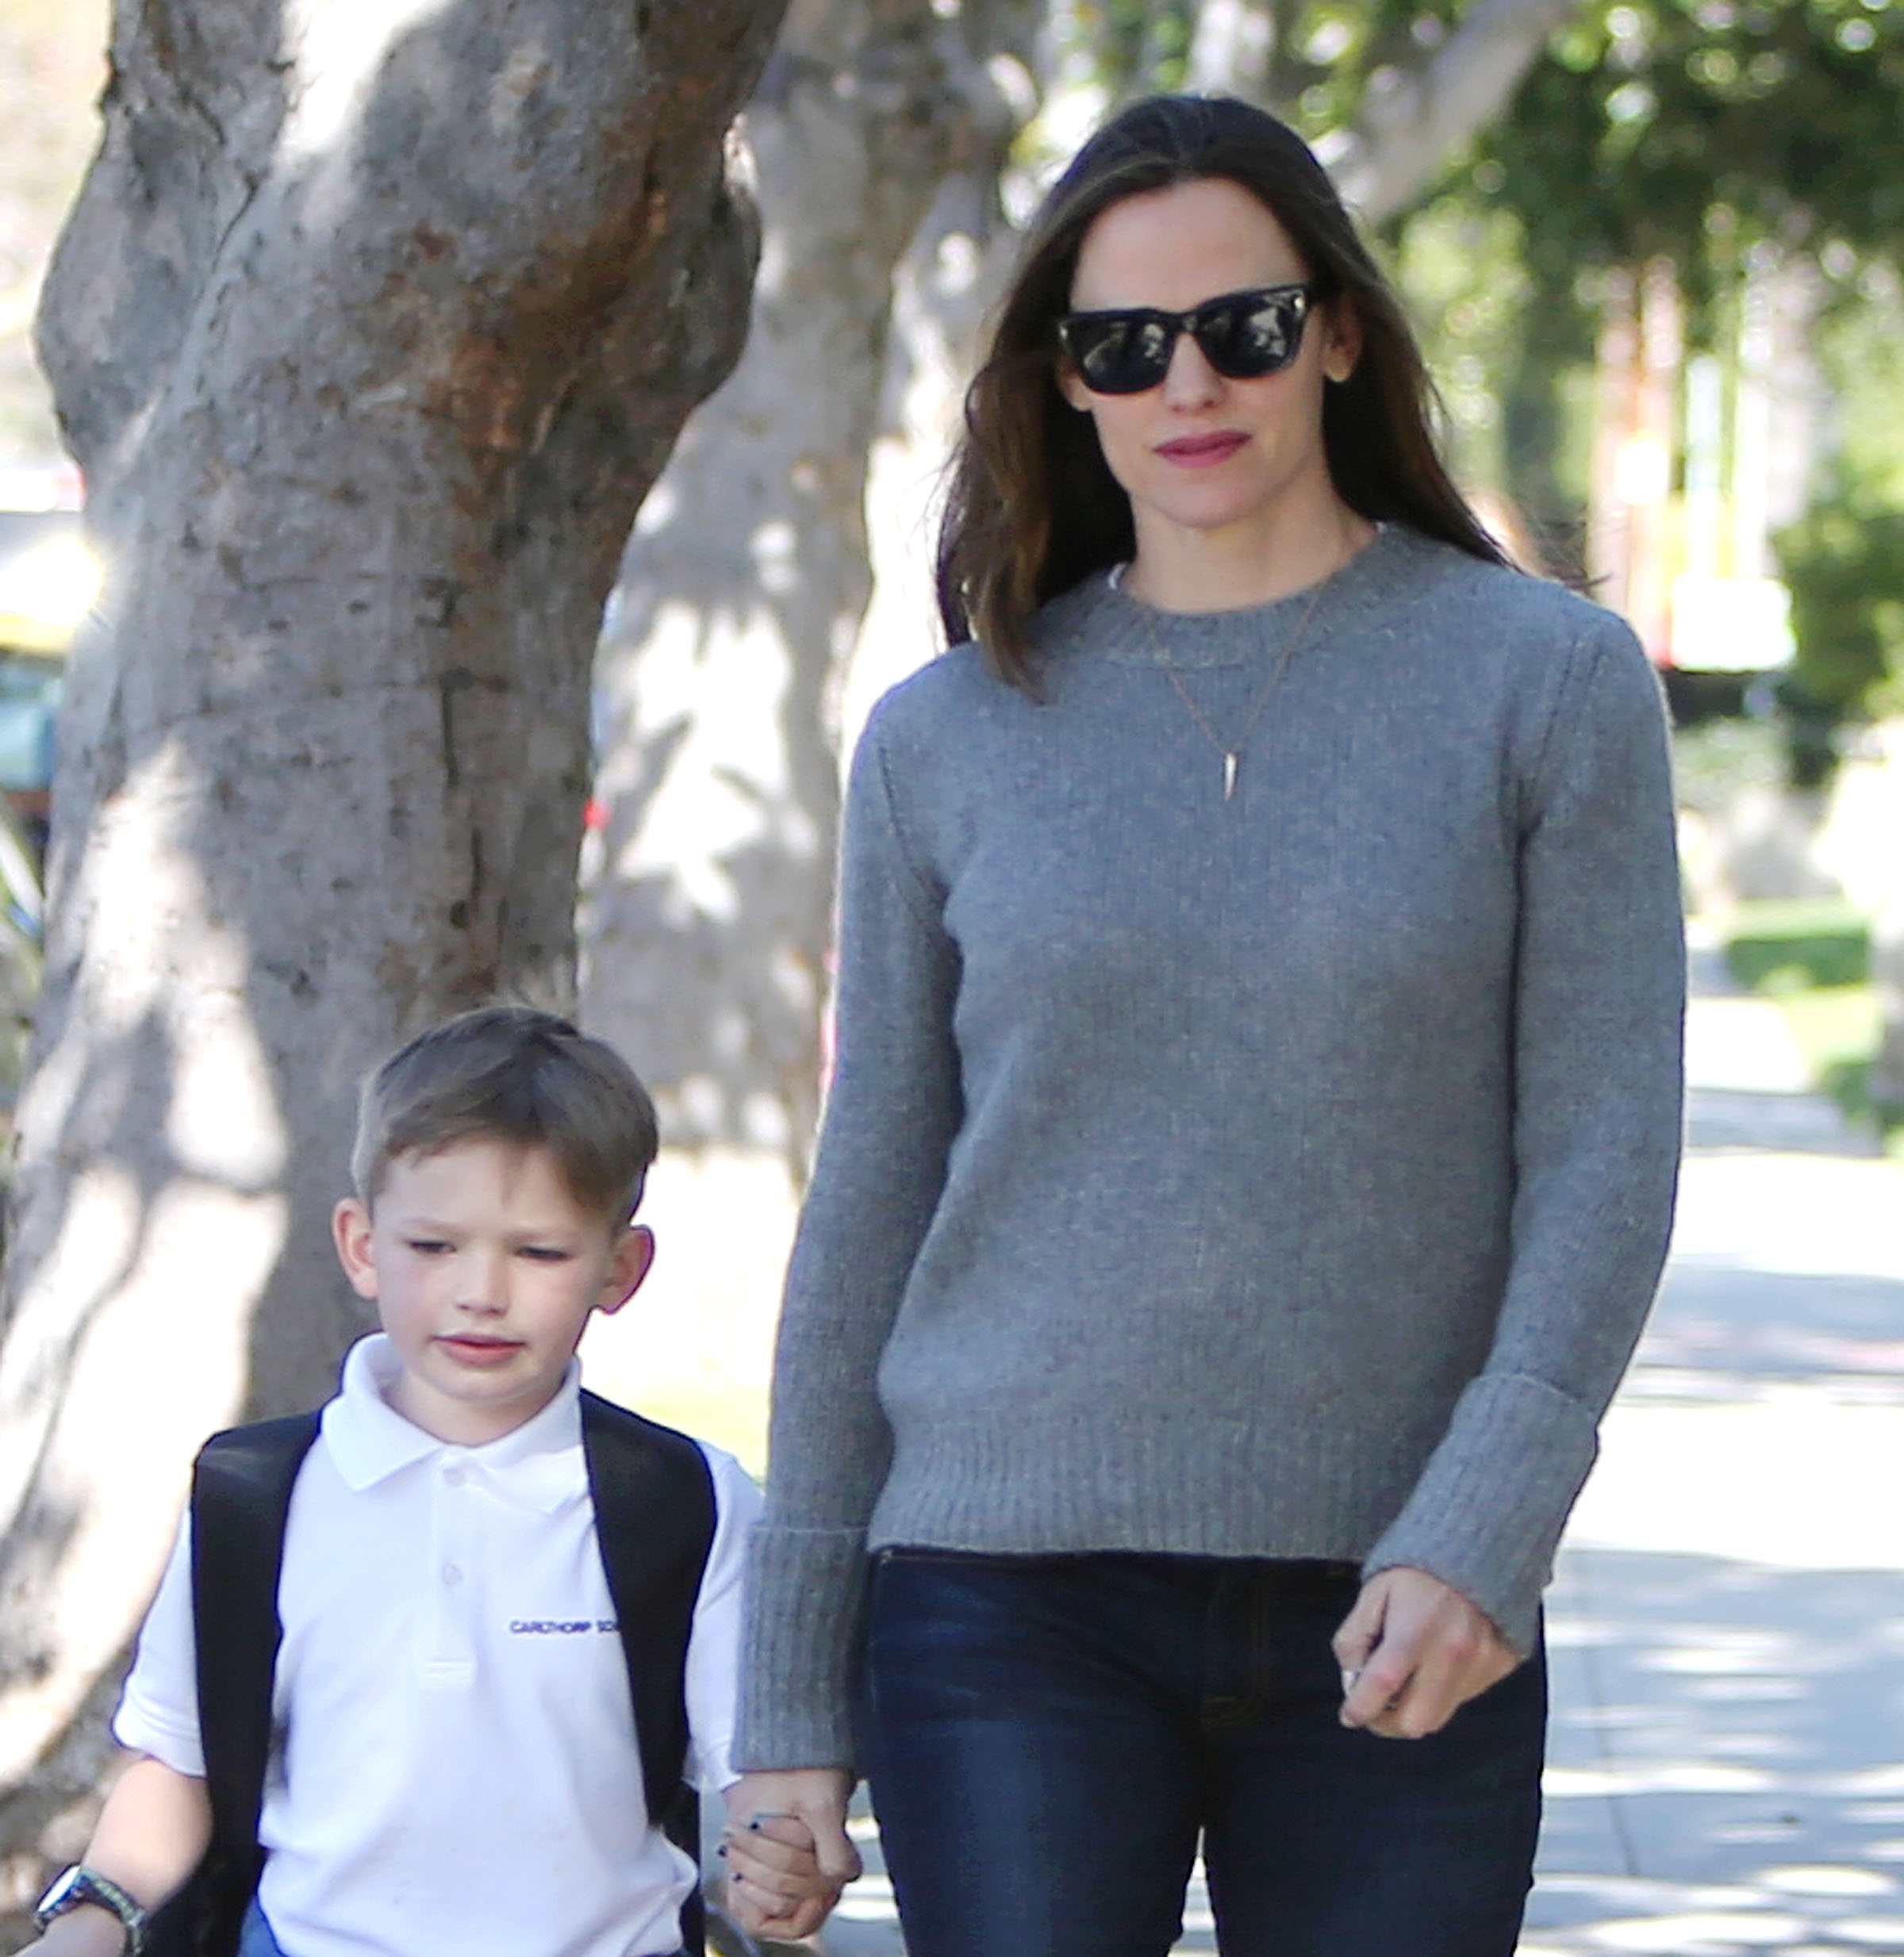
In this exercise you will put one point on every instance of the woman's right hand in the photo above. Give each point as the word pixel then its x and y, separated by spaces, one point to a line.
pixel 814 1797
pixel 1413 1651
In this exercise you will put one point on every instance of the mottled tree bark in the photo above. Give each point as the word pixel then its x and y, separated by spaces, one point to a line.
pixel 372 326
pixel 706 922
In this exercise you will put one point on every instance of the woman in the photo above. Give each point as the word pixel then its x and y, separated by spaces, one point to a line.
pixel 1251 1150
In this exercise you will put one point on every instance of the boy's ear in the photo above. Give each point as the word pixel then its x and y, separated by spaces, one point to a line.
pixel 633 1260
pixel 351 1233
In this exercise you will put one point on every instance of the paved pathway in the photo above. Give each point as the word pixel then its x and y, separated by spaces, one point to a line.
pixel 1726 1767
pixel 1726 1626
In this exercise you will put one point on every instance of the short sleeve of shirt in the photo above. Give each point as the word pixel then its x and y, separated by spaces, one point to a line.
pixel 159 1710
pixel 713 1670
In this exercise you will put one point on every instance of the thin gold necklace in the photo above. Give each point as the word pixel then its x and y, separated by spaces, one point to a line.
pixel 1231 751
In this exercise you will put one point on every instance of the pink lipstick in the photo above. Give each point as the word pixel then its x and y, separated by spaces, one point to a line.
pixel 1202 451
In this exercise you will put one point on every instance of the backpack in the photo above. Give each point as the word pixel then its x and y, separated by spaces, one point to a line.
pixel 655 1516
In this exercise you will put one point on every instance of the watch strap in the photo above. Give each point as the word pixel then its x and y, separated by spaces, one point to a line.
pixel 80 1885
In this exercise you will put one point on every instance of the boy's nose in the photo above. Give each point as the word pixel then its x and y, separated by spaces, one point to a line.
pixel 483 1282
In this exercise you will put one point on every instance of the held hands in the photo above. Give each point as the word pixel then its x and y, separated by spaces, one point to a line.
pixel 786 1850
pixel 1413 1651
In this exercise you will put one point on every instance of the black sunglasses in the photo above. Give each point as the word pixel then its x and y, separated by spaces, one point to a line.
pixel 1243 335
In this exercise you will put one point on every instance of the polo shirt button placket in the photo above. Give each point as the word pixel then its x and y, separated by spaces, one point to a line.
pixel 452 1660
pixel 454 1475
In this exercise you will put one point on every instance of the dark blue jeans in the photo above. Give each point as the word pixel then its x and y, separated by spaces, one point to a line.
pixel 1048 1735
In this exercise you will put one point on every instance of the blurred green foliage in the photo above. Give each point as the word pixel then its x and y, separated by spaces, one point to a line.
pixel 1693 127
pixel 1462 262
pixel 1844 561
pixel 1703 131
pixel 1798 944
pixel 1130 46
pixel 1317 55
pixel 1813 958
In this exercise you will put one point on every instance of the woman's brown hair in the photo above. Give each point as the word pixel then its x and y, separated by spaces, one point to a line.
pixel 1032 509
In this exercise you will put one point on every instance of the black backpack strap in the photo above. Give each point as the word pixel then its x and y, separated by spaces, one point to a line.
pixel 655 1517
pixel 241 1498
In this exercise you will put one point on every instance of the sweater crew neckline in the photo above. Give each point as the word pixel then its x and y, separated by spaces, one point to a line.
pixel 1128 632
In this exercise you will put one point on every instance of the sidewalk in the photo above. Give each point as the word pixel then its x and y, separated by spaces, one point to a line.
pixel 1726 1625
pixel 1726 1765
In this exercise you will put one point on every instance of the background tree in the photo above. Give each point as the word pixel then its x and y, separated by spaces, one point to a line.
pixel 707 920
pixel 1389 89
pixel 370 328
pixel 1700 133
pixel 1650 114
pixel 1746 142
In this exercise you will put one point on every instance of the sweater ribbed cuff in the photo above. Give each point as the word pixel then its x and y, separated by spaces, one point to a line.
pixel 1486 1513
pixel 800 1648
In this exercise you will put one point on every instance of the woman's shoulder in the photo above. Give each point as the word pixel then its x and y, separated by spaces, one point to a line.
pixel 1517 611
pixel 960 692
pixel 946 691
pixel 1529 654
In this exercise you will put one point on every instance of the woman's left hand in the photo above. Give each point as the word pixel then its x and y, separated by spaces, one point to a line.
pixel 787 1851
pixel 1413 1651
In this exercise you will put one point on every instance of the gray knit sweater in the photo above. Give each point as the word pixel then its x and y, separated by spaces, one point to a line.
pixel 1285 1176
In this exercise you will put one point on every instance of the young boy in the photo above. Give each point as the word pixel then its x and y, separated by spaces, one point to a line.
pixel 454 1767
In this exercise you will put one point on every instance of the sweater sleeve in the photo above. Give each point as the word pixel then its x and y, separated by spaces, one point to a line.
pixel 892 1108
pixel 1598 1003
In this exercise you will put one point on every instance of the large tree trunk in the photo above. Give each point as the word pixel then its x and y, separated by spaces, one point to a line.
pixel 371 327
pixel 706 922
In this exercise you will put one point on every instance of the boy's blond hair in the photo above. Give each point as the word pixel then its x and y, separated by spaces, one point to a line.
pixel 515 1075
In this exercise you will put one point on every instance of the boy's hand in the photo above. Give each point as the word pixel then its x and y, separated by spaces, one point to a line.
pixel 787 1851
pixel 1413 1651
pixel 88 1930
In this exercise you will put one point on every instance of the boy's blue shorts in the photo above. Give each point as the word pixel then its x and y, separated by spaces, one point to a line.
pixel 255 1939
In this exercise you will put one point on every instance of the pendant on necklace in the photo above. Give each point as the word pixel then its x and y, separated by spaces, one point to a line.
pixel 1230 762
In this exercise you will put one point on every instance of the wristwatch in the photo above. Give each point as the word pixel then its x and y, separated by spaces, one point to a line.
pixel 79 1884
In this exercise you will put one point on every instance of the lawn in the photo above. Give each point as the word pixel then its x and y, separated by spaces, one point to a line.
pixel 1812 957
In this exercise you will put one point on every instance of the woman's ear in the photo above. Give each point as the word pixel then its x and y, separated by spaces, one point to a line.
pixel 1342 340
pixel 1071 386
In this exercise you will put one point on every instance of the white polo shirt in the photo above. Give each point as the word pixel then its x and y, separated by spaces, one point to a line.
pixel 454 1769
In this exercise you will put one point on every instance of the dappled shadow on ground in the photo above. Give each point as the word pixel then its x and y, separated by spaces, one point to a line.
pixel 1720 1330
pixel 1798 1124
pixel 1726 1763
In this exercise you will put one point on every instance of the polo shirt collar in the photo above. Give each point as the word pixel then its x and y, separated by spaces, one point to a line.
pixel 539 1464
